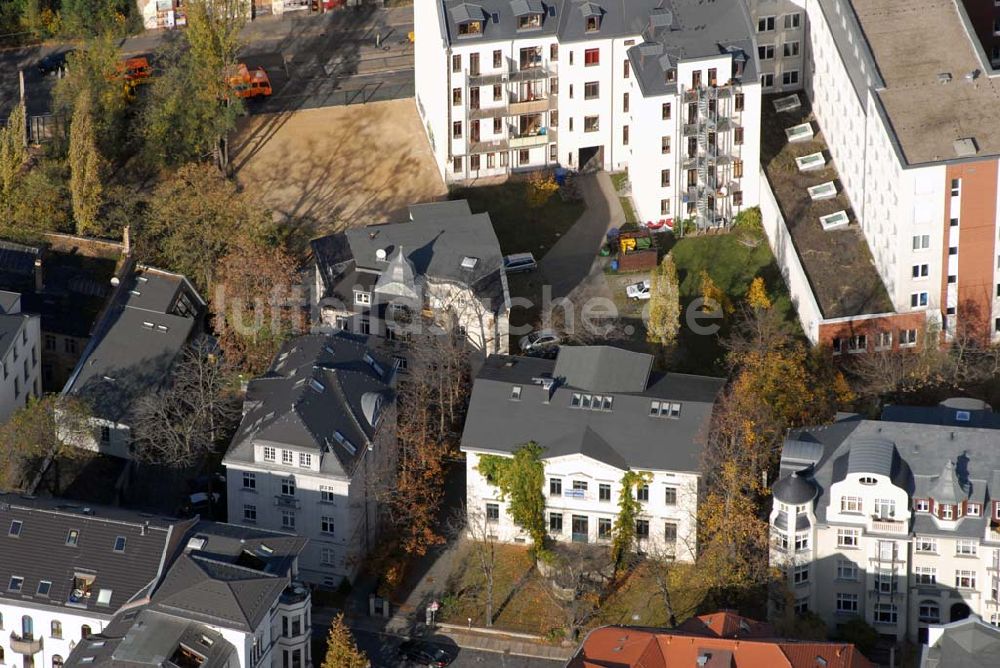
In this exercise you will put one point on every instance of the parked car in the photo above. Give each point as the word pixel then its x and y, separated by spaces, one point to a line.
pixel 54 62
pixel 519 262
pixel 537 340
pixel 199 504
pixel 425 654
pixel 639 290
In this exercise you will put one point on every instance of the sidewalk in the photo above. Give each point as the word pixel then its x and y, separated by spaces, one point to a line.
pixel 484 640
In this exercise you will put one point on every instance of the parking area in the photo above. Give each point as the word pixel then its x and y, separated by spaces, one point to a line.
pixel 322 170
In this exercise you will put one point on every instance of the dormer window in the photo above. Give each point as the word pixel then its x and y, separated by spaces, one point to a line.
pixel 529 21
pixel 593 23
pixel 947 512
pixel 972 510
pixel 470 28
pixel 671 76
pixel 867 480
pixel 921 505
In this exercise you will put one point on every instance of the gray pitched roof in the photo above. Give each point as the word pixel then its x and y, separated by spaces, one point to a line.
pixel 232 578
pixel 689 29
pixel 39 551
pixel 913 454
pixel 625 436
pixel 794 489
pixel 10 329
pixel 148 638
pixel 603 368
pixel 967 643
pixel 316 388
pixel 136 341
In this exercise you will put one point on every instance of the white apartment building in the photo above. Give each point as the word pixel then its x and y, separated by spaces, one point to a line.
pixel 314 451
pixel 909 115
pixel 667 90
pixel 597 412
pixel 779 27
pixel 894 520
pixel 20 343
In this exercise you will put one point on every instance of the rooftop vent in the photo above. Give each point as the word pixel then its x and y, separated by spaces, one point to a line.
pixel 496 17
pixel 196 543
pixel 966 147
pixel 963 416
pixel 381 255
pixel 944 77
pixel 469 262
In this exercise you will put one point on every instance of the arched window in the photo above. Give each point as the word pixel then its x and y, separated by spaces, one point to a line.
pixel 57 661
pixel 84 631
pixel 27 628
pixel 56 628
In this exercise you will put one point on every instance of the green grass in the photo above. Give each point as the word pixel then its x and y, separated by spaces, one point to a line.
pixel 630 216
pixel 732 264
pixel 638 601
pixel 521 602
pixel 519 228
pixel 618 180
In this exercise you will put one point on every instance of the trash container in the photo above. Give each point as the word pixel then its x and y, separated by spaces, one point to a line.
pixel 560 176
pixel 614 265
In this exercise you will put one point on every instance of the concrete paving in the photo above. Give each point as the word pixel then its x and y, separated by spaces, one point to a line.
pixel 382 650
pixel 571 260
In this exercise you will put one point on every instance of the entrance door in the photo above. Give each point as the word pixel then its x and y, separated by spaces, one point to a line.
pixel 591 158
pixel 581 531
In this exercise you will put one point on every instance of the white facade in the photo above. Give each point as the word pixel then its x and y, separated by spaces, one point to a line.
pixel 780 30
pixel 493 107
pixel 21 372
pixel 338 515
pixel 48 632
pixel 581 505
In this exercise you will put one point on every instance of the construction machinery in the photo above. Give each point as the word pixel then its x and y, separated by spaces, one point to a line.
pixel 247 83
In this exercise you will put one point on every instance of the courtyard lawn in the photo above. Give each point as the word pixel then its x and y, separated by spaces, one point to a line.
pixel 519 228
pixel 732 260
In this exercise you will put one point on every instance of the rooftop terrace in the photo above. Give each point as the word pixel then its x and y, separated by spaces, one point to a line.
pixel 913 42
pixel 837 262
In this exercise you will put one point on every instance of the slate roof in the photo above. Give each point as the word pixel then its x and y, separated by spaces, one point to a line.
pixel 136 342
pixel 967 643
pixel 315 388
pixel 625 436
pixel 794 489
pixel 232 580
pixel 40 552
pixel 148 638
pixel 11 325
pixel 913 454
pixel 435 242
pixel 689 29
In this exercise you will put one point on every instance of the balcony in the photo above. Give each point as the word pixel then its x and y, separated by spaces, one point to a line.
pixel 25 646
pixel 523 74
pixel 492 146
pixel 540 138
pixel 532 106
pixel 993 535
pixel 888 526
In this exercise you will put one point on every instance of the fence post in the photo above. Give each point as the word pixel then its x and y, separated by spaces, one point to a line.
pixel 24 106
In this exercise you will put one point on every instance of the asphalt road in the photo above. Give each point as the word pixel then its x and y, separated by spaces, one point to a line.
pixel 382 649
pixel 342 57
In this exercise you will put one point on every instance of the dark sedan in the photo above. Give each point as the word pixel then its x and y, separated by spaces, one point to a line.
pixel 425 654
pixel 54 62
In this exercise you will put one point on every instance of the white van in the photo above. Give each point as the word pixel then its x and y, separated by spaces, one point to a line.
pixel 519 262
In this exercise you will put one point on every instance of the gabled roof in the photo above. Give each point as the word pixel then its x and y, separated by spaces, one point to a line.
pixel 549 409
pixel 467 11
pixel 152 316
pixel 315 389
pixel 727 624
pixel 40 551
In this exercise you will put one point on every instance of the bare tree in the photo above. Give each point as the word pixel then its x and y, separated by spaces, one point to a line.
pixel 579 578
pixel 184 421
pixel 474 525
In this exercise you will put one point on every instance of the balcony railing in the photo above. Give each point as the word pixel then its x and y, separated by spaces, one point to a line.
pixel 993 535
pixel 534 139
pixel 488 146
pixel 888 526
pixel 532 106
pixel 25 645
pixel 523 74
pixel 294 593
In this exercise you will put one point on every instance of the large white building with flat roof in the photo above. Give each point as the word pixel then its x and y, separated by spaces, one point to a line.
pixel 668 91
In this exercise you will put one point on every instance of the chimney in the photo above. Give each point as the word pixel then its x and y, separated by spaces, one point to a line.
pixel 127 240
pixel 39 277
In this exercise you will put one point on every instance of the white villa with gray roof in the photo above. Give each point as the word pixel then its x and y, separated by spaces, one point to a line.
pixel 896 520
pixel 442 270
pixel 665 89
pixel 598 412
pixel 314 448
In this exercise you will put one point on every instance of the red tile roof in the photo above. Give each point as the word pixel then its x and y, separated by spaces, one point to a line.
pixel 627 647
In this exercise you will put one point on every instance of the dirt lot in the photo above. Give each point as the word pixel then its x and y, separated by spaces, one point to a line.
pixel 321 170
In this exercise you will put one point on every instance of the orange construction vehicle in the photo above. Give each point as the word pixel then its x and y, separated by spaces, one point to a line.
pixel 136 70
pixel 246 83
